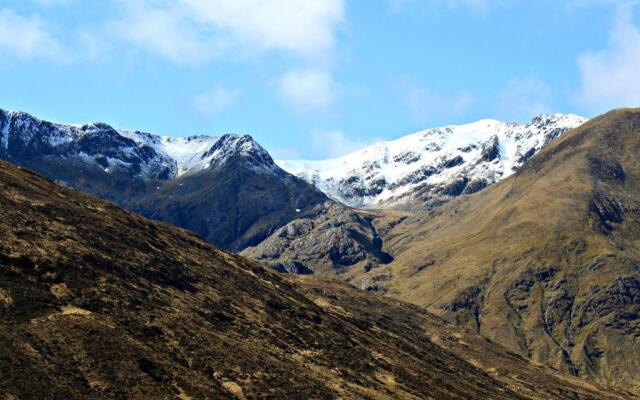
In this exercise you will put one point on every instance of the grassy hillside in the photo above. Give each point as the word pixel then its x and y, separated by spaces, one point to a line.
pixel 97 302
pixel 547 262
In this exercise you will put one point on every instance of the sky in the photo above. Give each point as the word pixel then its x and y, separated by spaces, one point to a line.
pixel 311 79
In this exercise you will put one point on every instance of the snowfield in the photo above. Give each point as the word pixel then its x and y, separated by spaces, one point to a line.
pixel 479 153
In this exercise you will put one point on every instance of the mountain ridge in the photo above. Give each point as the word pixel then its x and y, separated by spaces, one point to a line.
pixel 432 164
pixel 174 156
pixel 227 189
pixel 429 166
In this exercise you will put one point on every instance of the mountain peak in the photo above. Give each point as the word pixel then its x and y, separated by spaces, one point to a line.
pixel 564 120
pixel 231 147
pixel 555 246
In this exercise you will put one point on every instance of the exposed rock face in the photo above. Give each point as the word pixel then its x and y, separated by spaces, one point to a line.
pixel 466 307
pixel 606 211
pixel 100 303
pixel 233 148
pixel 374 283
pixel 491 149
pixel 331 238
pixel 290 267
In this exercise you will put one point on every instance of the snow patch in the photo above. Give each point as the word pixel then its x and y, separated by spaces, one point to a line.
pixel 5 130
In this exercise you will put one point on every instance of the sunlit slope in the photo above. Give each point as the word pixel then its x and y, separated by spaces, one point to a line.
pixel 548 261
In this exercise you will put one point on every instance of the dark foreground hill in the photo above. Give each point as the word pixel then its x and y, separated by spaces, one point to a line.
pixel 546 262
pixel 97 302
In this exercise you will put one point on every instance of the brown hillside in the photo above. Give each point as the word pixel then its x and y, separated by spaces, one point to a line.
pixel 547 262
pixel 97 302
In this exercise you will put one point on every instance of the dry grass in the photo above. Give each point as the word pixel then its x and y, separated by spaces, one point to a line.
pixel 532 264
pixel 101 303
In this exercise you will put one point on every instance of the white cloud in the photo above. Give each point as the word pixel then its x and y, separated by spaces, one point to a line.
pixel 308 90
pixel 165 31
pixel 336 143
pixel 523 98
pixel 190 31
pixel 193 32
pixel 215 100
pixel 197 31
pixel 306 28
pixel 611 76
pixel 426 105
pixel 28 37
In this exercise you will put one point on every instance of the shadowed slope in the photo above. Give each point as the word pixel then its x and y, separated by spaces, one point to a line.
pixel 97 302
pixel 233 204
pixel 226 189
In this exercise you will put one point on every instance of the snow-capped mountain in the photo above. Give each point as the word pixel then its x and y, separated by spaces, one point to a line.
pixel 428 166
pixel 226 189
pixel 142 154
pixel 432 164
pixel 230 191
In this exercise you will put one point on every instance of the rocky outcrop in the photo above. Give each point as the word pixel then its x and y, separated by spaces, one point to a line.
pixel 330 239
pixel 491 149
pixel 466 307
pixel 606 211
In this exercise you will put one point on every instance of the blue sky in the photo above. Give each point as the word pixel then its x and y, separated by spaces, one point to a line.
pixel 315 78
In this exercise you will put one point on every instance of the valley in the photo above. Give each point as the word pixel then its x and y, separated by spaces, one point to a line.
pixel 543 258
pixel 319 200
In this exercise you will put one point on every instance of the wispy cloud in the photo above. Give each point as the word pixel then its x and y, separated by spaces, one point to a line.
pixel 523 98
pixel 307 90
pixel 302 34
pixel 426 105
pixel 51 3
pixel 285 153
pixel 335 143
pixel 216 100
pixel 198 31
pixel 474 5
pixel 191 31
pixel 304 28
pixel 611 76
pixel 29 37
pixel 162 29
